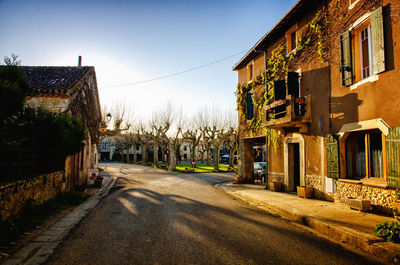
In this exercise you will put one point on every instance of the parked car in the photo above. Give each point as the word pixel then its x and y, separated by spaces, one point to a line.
pixel 260 171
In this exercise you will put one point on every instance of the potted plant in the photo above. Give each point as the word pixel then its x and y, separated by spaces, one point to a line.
pixel 98 182
pixel 396 204
pixel 305 192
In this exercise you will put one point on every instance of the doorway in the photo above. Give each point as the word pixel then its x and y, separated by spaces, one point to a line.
pixel 294 166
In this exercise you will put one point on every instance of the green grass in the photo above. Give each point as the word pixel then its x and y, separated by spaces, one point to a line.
pixel 200 168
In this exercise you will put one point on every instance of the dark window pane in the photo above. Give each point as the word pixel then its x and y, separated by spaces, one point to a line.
pixel 376 155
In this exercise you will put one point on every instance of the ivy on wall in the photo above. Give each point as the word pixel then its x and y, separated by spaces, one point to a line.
pixel 277 65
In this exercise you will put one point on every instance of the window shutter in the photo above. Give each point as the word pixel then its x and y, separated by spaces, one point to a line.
pixel 393 157
pixel 293 83
pixel 332 156
pixel 378 42
pixel 279 89
pixel 250 107
pixel 346 64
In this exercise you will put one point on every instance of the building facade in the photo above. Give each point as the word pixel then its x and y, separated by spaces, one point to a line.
pixel 316 90
pixel 72 90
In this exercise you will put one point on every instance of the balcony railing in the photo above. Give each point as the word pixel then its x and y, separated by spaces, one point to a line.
pixel 289 112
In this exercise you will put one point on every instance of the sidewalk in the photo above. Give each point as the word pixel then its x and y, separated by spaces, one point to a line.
pixel 39 249
pixel 337 221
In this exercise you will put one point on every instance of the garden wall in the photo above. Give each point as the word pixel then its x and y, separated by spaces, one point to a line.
pixel 13 196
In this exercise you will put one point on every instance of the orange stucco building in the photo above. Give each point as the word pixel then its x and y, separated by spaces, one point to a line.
pixel 319 90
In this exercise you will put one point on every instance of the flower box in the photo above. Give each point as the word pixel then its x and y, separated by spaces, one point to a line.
pixel 358 204
pixel 275 186
pixel 305 192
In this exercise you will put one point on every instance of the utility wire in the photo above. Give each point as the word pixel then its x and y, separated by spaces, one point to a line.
pixel 181 72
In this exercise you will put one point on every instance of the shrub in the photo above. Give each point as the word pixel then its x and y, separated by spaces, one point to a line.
pixel 390 231
pixel 14 88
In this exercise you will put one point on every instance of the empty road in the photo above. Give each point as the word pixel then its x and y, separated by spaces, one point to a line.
pixel 165 218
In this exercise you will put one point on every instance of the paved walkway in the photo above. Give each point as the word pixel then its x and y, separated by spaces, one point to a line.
pixel 39 249
pixel 335 220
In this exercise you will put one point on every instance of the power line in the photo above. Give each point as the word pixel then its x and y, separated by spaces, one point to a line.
pixel 181 72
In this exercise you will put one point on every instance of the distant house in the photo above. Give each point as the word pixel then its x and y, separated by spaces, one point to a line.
pixel 71 90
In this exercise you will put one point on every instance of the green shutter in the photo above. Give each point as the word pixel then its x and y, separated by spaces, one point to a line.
pixel 393 157
pixel 293 84
pixel 332 156
pixel 280 89
pixel 346 62
pixel 378 41
pixel 250 106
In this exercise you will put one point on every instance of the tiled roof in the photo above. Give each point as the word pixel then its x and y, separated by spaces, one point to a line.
pixel 54 79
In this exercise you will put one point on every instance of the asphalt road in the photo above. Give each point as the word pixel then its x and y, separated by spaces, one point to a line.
pixel 163 218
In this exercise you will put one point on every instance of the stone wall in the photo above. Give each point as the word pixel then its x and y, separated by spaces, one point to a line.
pixel 381 198
pixel 276 177
pixel 13 196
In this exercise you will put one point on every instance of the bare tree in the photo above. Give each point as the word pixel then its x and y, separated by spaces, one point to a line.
pixel 192 133
pixel 160 124
pixel 13 60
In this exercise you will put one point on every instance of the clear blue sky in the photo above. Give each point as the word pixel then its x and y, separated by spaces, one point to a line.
pixel 132 41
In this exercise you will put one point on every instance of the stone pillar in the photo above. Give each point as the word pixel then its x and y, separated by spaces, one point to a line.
pixel 246 163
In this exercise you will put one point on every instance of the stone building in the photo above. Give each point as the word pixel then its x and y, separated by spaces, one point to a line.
pixel 72 90
pixel 320 88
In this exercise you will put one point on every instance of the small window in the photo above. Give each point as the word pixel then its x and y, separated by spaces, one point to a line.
pixel 185 148
pixel 137 147
pixel 250 72
pixel 293 41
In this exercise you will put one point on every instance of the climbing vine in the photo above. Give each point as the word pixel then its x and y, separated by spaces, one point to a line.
pixel 277 65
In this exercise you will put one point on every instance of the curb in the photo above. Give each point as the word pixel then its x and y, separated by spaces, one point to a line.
pixel 367 243
pixel 39 249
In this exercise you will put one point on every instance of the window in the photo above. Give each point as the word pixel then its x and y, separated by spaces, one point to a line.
pixel 293 41
pixel 364 155
pixel 250 72
pixel 185 148
pixel 137 147
pixel 291 38
pixel 362 49
pixel 365 52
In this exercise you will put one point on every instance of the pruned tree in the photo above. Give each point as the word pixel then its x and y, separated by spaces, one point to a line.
pixel 13 60
pixel 159 125
pixel 192 133
pixel 174 139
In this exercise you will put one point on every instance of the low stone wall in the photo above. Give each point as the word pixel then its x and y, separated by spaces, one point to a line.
pixel 276 177
pixel 381 198
pixel 13 196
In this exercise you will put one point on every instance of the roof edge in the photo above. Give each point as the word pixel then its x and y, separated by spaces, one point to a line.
pixel 236 66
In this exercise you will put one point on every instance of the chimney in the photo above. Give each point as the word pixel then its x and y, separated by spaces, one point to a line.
pixel 79 61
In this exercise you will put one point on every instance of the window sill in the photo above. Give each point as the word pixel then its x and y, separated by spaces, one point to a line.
pixel 375 183
pixel 351 181
pixel 351 6
pixel 370 79
pixel 367 182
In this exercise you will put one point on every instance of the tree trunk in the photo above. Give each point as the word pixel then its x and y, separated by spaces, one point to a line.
pixel 208 156
pixel 144 154
pixel 127 155
pixel 155 155
pixel 134 154
pixel 172 155
pixel 231 156
pixel 216 157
